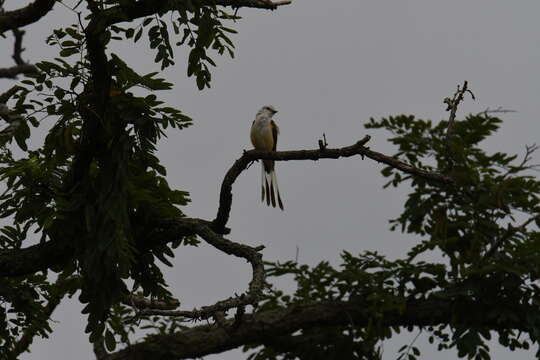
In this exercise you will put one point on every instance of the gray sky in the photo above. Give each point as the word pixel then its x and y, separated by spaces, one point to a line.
pixel 327 66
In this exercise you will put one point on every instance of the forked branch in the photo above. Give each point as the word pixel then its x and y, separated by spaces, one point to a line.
pixel 251 254
pixel 20 67
pixel 453 104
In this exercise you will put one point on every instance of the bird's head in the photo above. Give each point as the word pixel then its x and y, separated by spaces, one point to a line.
pixel 269 109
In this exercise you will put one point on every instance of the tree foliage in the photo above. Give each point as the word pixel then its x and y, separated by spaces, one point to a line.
pixel 467 226
pixel 96 195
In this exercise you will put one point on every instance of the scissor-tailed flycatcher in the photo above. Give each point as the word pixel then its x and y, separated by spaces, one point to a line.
pixel 264 134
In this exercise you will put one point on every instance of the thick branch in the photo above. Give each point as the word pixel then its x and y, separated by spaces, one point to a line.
pixel 12 72
pixel 258 328
pixel 18 262
pixel 135 10
pixel 302 346
pixel 93 108
pixel 29 14
pixel 225 198
pixel 56 252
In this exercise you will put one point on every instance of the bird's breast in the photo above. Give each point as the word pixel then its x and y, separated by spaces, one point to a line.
pixel 261 136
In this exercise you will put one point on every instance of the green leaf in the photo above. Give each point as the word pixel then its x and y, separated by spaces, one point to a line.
pixel 229 30
pixel 74 33
pixel 138 35
pixel 110 341
pixel 68 52
pixel 69 43
pixel 74 82
pixel 59 93
pixel 129 33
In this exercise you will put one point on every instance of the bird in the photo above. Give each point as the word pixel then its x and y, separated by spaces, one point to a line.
pixel 264 134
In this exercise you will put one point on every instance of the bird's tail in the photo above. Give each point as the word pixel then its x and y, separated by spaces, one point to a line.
pixel 269 188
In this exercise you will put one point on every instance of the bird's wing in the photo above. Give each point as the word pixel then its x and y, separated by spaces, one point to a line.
pixel 275 133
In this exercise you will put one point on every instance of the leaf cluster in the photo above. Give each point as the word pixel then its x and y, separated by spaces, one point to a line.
pixel 483 228
pixel 100 191
pixel 195 24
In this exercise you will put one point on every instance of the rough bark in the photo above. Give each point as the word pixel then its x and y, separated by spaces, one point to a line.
pixel 257 328
pixel 29 14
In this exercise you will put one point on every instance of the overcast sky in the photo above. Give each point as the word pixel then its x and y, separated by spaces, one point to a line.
pixel 327 66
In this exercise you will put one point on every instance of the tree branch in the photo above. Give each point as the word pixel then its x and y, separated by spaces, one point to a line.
pixel 39 257
pixel 11 20
pixel 21 66
pixel 252 255
pixel 258 4
pixel 511 231
pixel 315 340
pixel 12 72
pixel 140 302
pixel 5 96
pixel 56 252
pixel 17 46
pixel 453 104
pixel 43 256
pixel 225 198
pixel 258 328
pixel 63 287
pixel 46 255
pixel 134 10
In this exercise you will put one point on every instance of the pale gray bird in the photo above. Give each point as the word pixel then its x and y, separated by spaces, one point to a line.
pixel 264 135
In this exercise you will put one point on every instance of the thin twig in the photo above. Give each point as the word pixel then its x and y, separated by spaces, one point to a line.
pixel 529 150
pixel 453 104
pixel 511 231
pixel 498 110
pixel 140 302
pixel 259 4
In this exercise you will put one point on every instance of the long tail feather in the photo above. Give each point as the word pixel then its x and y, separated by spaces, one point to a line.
pixel 272 194
pixel 275 184
pixel 262 183
pixel 270 189
pixel 267 191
